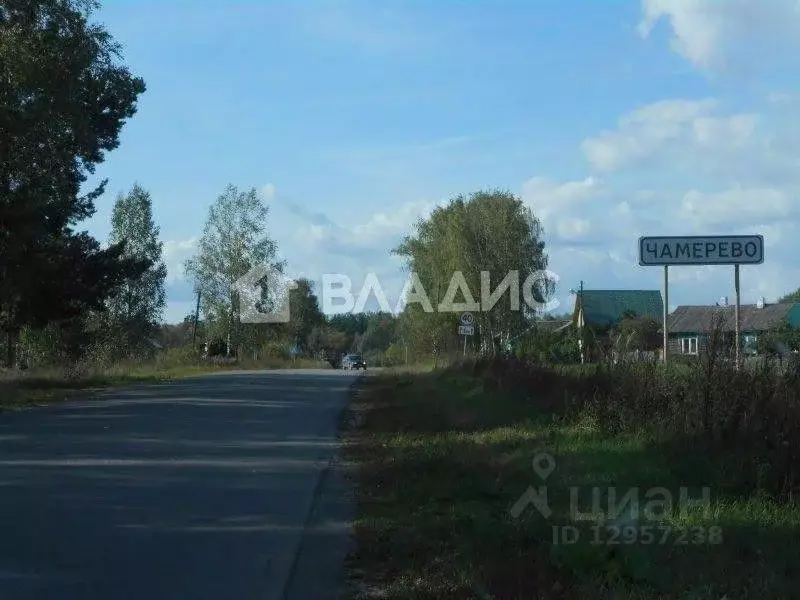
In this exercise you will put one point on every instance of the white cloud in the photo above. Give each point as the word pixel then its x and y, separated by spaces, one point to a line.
pixel 667 125
pixel 269 192
pixel 548 198
pixel 572 227
pixel 397 223
pixel 378 229
pixel 713 34
pixel 732 131
pixel 175 253
pixel 682 167
pixel 735 206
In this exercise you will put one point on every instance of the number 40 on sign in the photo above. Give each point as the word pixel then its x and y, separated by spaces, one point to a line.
pixel 466 324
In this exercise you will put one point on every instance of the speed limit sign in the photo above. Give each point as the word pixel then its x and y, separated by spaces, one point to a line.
pixel 467 318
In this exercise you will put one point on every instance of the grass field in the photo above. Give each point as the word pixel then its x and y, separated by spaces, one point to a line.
pixel 442 460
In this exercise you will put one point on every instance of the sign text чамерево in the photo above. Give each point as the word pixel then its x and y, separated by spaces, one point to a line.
pixel 701 250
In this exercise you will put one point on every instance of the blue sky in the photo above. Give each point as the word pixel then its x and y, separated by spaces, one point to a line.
pixel 611 119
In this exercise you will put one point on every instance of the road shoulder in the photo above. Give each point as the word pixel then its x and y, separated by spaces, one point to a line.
pixel 318 570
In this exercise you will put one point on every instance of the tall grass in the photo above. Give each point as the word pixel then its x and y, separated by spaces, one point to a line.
pixel 749 417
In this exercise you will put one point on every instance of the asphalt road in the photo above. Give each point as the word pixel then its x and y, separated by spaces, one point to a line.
pixel 195 489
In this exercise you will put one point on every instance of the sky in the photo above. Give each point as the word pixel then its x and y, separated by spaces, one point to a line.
pixel 611 119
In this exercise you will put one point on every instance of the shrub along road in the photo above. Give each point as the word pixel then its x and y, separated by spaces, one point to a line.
pixel 197 488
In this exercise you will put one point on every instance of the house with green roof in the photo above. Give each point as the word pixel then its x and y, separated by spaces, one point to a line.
pixel 600 309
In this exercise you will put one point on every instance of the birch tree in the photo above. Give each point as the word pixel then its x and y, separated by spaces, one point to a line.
pixel 235 239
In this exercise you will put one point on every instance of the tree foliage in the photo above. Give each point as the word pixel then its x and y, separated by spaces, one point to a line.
pixel 235 239
pixel 489 234
pixel 635 332
pixel 135 310
pixel 305 312
pixel 784 335
pixel 63 101
pixel 547 344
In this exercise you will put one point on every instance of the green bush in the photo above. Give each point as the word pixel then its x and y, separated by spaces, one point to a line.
pixel 394 356
pixel 176 357
pixel 275 349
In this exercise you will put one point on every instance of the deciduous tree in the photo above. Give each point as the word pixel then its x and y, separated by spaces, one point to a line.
pixel 235 239
pixel 483 238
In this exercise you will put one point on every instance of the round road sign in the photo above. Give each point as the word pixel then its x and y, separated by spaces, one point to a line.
pixel 467 318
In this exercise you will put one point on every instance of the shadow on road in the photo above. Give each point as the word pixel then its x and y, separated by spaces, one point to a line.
pixel 194 489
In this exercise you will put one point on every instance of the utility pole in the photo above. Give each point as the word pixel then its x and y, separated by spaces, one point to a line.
pixel 737 317
pixel 582 317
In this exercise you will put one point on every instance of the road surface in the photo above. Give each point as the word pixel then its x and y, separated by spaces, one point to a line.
pixel 190 490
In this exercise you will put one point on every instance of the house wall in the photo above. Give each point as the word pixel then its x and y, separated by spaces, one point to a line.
pixel 675 344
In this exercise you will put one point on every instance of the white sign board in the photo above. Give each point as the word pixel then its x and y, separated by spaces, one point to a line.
pixel 467 318
pixel 466 330
pixel 702 250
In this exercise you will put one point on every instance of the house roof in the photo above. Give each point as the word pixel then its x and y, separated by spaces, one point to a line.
pixel 553 324
pixel 700 319
pixel 605 307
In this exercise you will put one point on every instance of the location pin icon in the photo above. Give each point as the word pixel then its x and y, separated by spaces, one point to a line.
pixel 543 465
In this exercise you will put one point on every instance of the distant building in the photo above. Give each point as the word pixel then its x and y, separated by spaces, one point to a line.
pixel 604 308
pixel 690 326
pixel 596 311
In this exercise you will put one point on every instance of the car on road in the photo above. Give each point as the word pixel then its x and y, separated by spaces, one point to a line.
pixel 353 361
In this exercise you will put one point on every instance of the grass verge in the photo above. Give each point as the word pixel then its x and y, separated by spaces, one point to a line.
pixel 19 390
pixel 442 460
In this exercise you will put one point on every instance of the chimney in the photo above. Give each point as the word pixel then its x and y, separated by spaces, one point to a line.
pixel 761 302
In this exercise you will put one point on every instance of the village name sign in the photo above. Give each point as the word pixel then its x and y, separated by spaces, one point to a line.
pixel 697 250
pixel 701 250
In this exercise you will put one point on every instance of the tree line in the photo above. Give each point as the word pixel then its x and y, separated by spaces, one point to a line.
pixel 67 297
pixel 64 99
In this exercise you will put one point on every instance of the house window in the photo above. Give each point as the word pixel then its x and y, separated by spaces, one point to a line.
pixel 689 345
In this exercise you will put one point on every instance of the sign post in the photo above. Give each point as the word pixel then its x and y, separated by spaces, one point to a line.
pixel 733 250
pixel 466 328
pixel 736 316
pixel 666 312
